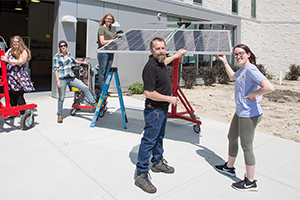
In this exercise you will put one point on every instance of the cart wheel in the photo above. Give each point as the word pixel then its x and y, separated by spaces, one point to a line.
pixel 73 112
pixel 197 128
pixel 27 121
pixel 102 112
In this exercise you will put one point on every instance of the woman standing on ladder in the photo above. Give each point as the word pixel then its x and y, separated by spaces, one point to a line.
pixel 105 36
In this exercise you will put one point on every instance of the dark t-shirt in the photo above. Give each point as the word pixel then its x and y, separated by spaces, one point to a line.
pixel 156 77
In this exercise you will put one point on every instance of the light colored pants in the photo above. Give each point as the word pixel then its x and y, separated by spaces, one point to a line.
pixel 73 82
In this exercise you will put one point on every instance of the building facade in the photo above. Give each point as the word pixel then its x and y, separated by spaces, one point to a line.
pixel 270 28
pixel 142 14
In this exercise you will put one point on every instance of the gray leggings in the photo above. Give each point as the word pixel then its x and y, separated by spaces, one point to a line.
pixel 245 129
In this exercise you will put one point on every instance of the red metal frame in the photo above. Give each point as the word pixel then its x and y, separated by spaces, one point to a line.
pixel 176 91
pixel 6 110
pixel 77 106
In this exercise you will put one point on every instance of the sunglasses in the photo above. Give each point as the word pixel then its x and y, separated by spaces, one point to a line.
pixel 63 45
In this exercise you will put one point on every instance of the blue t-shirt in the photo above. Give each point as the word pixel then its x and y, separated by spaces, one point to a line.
pixel 247 80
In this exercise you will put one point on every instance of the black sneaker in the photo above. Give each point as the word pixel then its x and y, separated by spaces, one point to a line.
pixel 245 185
pixel 225 170
pixel 142 181
pixel 162 166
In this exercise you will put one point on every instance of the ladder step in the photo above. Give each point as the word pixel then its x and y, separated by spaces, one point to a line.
pixel 107 96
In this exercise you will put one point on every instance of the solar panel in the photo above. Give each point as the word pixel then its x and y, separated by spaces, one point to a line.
pixel 194 41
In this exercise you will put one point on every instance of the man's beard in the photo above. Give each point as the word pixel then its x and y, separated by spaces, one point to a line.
pixel 161 58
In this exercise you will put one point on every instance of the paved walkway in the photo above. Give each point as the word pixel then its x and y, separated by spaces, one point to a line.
pixel 72 161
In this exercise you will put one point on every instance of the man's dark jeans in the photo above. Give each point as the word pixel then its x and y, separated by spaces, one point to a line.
pixel 152 141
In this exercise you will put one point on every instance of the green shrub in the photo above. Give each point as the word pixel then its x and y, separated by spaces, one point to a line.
pixel 262 69
pixel 208 74
pixel 170 70
pixel 270 76
pixel 222 76
pixel 189 76
pixel 294 72
pixel 235 68
pixel 204 63
pixel 136 88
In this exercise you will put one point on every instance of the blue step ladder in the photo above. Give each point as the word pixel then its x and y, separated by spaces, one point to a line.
pixel 103 96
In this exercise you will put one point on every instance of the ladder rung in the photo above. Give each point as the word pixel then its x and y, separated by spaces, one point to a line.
pixel 107 96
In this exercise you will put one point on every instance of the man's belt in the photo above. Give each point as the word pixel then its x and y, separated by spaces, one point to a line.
pixel 150 106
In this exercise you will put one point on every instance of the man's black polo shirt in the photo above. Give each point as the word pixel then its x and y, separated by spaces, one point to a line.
pixel 156 77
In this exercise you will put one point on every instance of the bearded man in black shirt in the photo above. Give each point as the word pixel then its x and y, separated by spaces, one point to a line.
pixel 158 91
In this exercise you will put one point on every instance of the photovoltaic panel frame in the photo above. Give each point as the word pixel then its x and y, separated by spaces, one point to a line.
pixel 194 41
pixel 200 42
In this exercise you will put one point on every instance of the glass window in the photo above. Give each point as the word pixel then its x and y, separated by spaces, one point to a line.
pixel 188 58
pixel 198 1
pixel 217 27
pixel 253 8
pixel 207 60
pixel 201 60
pixel 173 19
pixel 235 6
pixel 204 26
pixel 232 30
pixel 81 39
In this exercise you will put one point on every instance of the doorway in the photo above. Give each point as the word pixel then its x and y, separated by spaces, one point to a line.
pixel 33 21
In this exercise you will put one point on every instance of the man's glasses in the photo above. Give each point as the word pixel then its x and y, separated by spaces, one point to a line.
pixel 159 49
pixel 63 45
pixel 239 54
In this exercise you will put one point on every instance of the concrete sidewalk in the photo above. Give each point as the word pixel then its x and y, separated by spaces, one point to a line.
pixel 74 161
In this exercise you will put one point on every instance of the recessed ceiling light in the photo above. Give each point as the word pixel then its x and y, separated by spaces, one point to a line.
pixel 18 6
